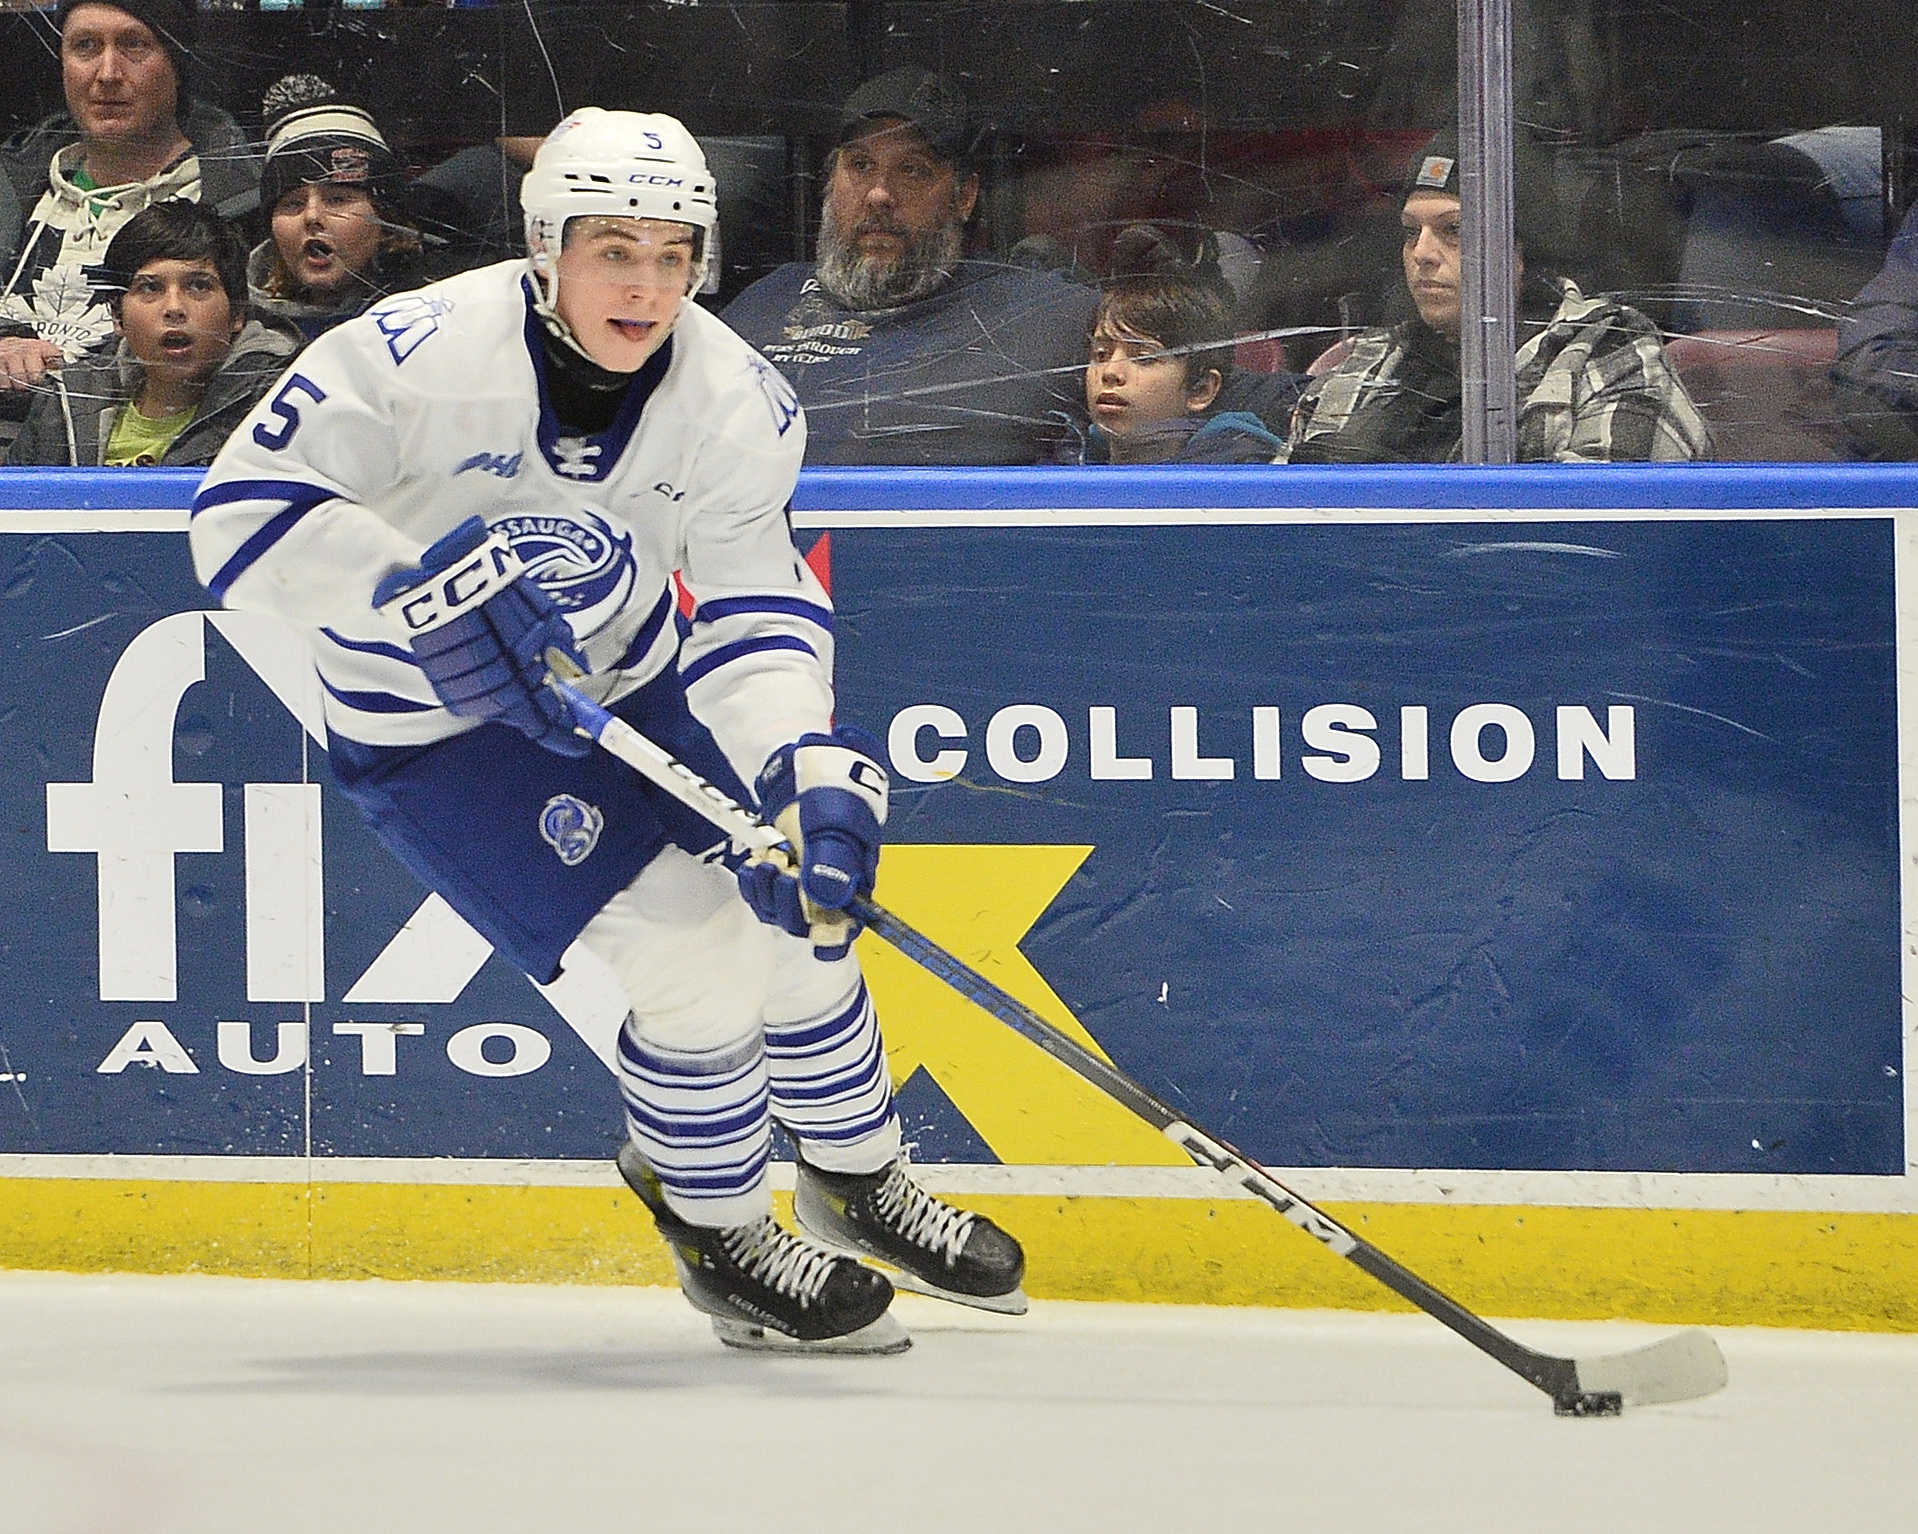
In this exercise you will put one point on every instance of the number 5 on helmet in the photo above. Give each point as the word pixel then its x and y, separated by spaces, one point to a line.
pixel 479 627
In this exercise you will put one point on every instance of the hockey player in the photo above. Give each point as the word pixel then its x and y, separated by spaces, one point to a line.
pixel 514 462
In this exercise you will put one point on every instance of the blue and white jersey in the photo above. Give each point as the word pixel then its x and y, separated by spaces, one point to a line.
pixel 432 407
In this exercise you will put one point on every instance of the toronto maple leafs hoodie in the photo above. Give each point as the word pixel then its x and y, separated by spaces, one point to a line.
pixel 50 288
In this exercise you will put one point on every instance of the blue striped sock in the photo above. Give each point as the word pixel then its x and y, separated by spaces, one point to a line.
pixel 700 1118
pixel 830 1087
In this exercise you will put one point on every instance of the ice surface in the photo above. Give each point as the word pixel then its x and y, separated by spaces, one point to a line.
pixel 137 1405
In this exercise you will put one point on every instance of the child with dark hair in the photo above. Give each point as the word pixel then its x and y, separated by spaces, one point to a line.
pixel 1161 353
pixel 189 365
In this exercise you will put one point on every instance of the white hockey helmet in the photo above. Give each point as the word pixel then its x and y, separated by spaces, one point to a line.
pixel 616 165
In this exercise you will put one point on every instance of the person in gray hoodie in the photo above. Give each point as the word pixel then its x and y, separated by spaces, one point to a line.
pixel 190 364
pixel 133 136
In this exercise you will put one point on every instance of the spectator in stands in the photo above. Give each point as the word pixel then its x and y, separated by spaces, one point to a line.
pixel 1161 348
pixel 902 350
pixel 340 232
pixel 133 137
pixel 1875 381
pixel 189 366
pixel 1593 381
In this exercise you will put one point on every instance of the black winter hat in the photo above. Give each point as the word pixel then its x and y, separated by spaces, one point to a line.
pixel 930 102
pixel 312 136
pixel 173 22
pixel 1538 218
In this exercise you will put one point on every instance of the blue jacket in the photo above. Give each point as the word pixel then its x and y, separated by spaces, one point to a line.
pixel 1232 436
pixel 1875 381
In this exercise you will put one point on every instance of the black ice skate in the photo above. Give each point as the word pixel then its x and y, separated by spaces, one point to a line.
pixel 766 1289
pixel 933 1248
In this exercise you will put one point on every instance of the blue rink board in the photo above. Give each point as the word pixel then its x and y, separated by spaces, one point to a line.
pixel 1695 968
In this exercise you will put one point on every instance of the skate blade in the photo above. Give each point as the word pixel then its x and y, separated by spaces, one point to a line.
pixel 1012 1303
pixel 874 1339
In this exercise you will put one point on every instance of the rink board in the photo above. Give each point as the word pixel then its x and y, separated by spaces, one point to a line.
pixel 1539 828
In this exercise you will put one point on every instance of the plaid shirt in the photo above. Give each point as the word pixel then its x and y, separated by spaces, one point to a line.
pixel 1594 386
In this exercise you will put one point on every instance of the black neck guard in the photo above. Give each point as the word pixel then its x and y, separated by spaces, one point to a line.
pixel 585 396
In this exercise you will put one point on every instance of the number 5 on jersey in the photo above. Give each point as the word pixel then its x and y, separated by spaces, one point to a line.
pixel 275 438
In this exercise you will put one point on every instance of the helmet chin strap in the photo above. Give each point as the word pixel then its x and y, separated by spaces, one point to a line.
pixel 574 357
pixel 562 346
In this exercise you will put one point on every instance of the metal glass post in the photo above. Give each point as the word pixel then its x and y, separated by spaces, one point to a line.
pixel 1488 308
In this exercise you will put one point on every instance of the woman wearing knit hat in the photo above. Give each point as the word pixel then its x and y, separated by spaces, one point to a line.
pixel 334 195
pixel 1594 383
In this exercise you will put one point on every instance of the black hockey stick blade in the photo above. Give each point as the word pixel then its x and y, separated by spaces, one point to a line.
pixel 1680 1368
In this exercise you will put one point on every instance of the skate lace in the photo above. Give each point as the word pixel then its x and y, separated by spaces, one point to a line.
pixel 778 1259
pixel 922 1219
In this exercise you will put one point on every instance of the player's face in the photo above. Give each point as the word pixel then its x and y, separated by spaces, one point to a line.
pixel 119 81
pixel 1131 385
pixel 327 235
pixel 177 318
pixel 888 187
pixel 621 282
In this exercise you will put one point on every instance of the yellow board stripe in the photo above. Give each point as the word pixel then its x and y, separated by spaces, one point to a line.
pixel 1855 1272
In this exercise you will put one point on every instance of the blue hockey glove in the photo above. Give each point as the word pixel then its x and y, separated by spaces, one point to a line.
pixel 827 794
pixel 480 628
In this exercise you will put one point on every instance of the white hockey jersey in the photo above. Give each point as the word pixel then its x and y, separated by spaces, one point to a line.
pixel 394 428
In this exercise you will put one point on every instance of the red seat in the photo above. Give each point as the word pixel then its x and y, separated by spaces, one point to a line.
pixel 1262 354
pixel 1765 393
pixel 1331 357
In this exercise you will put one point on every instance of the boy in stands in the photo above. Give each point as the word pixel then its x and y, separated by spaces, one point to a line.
pixel 1161 352
pixel 190 364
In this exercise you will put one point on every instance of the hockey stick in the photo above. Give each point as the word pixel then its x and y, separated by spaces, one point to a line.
pixel 1679 1368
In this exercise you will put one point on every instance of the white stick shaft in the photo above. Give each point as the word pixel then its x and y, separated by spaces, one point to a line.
pixel 1678 1369
pixel 660 767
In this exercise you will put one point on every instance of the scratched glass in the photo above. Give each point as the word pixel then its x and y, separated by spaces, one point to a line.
pixel 1733 171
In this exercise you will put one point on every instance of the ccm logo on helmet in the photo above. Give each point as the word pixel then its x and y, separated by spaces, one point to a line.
pixel 641 179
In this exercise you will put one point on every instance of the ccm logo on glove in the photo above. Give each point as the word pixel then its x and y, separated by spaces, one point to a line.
pixel 481 629
pixel 827 796
pixel 492 566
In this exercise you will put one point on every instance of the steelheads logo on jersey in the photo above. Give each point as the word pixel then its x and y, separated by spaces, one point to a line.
pixel 579 561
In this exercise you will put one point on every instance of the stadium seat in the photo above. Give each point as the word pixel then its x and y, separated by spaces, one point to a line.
pixel 1765 393
pixel 1331 357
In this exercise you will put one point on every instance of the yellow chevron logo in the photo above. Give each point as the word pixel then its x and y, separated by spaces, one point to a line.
pixel 977 902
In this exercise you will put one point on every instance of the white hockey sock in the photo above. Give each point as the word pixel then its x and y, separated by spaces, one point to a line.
pixel 699 1117
pixel 830 1087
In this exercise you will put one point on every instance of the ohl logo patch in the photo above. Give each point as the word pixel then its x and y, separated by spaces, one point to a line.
pixel 579 561
pixel 571 828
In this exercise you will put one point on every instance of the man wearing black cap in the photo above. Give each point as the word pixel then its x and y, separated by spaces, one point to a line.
pixel 902 350
pixel 1593 381
pixel 133 137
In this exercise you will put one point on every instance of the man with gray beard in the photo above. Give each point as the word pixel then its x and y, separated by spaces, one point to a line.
pixel 901 349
